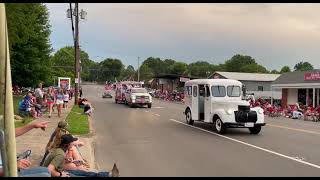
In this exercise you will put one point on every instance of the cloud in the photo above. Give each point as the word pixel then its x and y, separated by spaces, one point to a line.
pixel 271 33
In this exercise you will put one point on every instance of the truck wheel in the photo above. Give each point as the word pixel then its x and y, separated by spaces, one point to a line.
pixel 255 129
pixel 149 105
pixel 126 102
pixel 131 105
pixel 116 100
pixel 219 126
pixel 189 117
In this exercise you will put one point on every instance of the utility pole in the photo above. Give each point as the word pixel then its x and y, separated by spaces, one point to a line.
pixel 138 69
pixel 76 44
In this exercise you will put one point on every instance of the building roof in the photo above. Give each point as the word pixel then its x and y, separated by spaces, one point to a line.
pixel 295 77
pixel 173 76
pixel 247 76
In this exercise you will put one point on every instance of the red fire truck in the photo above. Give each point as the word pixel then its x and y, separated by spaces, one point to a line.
pixel 121 89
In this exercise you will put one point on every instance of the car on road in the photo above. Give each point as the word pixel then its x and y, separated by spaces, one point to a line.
pixel 219 101
pixel 138 96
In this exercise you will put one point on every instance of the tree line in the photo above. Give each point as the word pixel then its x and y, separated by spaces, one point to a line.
pixel 32 60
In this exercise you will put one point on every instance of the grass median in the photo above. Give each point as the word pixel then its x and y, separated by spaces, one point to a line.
pixel 78 122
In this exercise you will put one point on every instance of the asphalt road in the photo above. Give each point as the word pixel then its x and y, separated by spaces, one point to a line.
pixel 157 142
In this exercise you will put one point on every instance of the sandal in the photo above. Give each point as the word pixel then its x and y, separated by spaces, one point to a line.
pixel 24 155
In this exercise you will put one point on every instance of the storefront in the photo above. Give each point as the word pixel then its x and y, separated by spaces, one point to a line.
pixel 169 82
pixel 299 87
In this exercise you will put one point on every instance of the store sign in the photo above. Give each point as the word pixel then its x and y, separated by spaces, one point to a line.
pixel 312 76
pixel 182 79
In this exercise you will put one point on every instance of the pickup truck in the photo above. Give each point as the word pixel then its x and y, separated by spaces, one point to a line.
pixel 138 96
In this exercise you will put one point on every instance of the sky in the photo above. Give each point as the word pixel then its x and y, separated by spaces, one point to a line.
pixel 274 34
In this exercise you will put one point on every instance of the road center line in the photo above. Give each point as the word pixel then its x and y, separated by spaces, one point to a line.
pixel 251 145
pixel 294 129
pixel 157 114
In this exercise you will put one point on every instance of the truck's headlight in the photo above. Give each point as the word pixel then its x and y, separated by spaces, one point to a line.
pixel 229 111
pixel 133 97
pixel 260 111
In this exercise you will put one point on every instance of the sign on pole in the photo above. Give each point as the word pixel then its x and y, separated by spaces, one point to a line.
pixel 64 82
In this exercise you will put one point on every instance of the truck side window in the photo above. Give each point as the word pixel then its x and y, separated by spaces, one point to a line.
pixel 195 89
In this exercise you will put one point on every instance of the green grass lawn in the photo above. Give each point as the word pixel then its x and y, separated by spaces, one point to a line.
pixel 25 120
pixel 78 122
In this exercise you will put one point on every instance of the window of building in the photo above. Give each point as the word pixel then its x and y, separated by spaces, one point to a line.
pixel 260 88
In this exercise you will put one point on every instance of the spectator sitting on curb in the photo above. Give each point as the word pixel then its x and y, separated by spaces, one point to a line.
pixel 88 109
pixel 55 141
pixel 55 161
pixel 27 105
pixel 23 165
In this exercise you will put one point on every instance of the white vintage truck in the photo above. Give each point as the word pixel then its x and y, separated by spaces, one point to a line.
pixel 219 101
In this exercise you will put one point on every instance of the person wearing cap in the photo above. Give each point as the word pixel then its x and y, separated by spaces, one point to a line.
pixel 55 161
pixel 55 140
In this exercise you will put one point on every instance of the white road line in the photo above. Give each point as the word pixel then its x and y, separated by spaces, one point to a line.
pixel 294 129
pixel 157 114
pixel 157 107
pixel 146 111
pixel 251 145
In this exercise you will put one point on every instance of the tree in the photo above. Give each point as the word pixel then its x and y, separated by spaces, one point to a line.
pixel 146 73
pixel 179 68
pixel 274 72
pixel 201 69
pixel 237 62
pixel 303 66
pixel 29 31
pixel 63 63
pixel 156 65
pixel 253 68
pixel 109 69
pixel 285 69
pixel 128 73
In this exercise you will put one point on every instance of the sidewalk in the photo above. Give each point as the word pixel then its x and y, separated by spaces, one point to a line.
pixel 36 139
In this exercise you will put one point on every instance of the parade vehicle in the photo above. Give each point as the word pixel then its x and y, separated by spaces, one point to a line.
pixel 138 96
pixel 219 101
pixel 107 91
pixel 121 89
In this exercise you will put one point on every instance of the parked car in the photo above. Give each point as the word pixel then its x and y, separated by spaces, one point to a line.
pixel 138 96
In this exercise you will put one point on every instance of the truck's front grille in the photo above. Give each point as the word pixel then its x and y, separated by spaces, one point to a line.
pixel 140 97
pixel 244 116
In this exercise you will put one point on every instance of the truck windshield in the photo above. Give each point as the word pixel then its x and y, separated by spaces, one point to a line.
pixel 218 91
pixel 234 91
pixel 139 91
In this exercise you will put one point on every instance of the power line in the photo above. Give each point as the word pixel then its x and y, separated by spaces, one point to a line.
pixel 72 22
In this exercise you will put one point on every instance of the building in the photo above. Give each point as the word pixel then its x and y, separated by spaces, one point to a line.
pixel 299 87
pixel 169 82
pixel 256 83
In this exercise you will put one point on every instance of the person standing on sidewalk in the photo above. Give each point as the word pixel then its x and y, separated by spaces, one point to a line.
pixel 50 100
pixel 59 101
pixel 39 94
pixel 80 92
pixel 66 99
